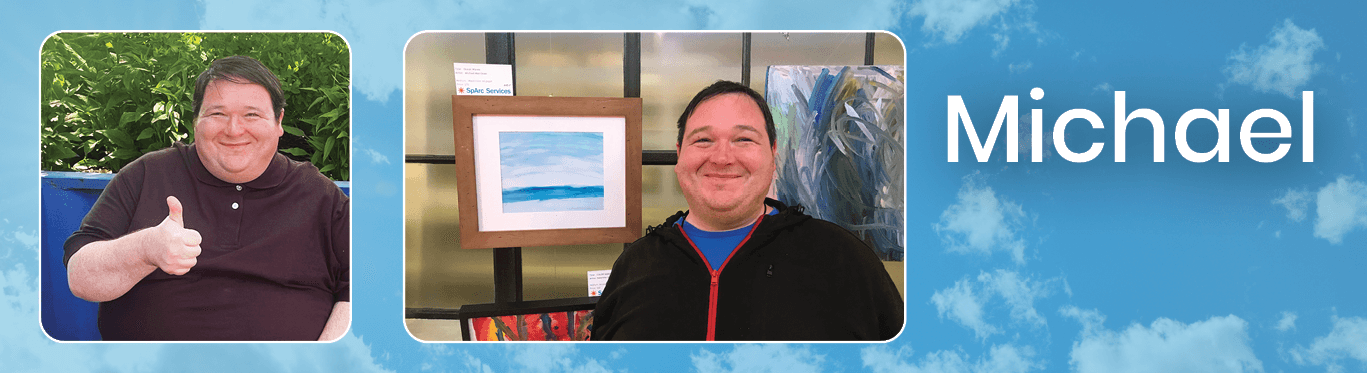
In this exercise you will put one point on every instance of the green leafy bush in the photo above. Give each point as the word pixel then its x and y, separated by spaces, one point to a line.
pixel 108 98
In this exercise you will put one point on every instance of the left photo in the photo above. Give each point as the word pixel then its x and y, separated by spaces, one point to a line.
pixel 195 186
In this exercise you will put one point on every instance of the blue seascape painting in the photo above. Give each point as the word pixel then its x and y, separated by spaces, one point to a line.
pixel 551 171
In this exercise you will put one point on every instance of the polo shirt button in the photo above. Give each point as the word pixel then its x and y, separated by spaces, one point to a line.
pixel 234 205
pixel 239 188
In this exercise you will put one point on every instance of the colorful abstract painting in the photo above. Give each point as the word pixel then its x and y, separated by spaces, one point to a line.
pixel 551 171
pixel 840 136
pixel 553 326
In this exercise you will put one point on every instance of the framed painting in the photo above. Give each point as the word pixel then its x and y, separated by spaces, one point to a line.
pixel 841 147
pixel 543 320
pixel 540 171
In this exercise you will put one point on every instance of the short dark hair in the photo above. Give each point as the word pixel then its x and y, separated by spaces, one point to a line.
pixel 241 70
pixel 722 87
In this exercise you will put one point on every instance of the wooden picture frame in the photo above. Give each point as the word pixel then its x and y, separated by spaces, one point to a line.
pixel 483 126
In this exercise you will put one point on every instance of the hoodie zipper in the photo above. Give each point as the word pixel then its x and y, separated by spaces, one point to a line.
pixel 716 277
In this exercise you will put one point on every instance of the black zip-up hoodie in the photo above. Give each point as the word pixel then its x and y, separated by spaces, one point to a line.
pixel 795 278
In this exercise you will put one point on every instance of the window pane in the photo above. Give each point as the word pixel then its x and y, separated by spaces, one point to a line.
pixel 428 83
pixel 568 64
pixel 674 67
pixel 767 49
pixel 888 50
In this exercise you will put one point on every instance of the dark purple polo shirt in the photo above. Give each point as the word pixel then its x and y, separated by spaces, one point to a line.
pixel 275 251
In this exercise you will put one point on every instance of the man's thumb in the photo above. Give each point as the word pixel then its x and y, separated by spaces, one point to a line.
pixel 174 205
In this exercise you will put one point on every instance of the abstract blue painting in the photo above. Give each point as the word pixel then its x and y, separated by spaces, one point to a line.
pixel 551 171
pixel 840 155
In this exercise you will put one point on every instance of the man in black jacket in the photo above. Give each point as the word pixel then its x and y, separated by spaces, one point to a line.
pixel 739 266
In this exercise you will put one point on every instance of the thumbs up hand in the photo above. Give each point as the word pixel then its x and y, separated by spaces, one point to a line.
pixel 176 248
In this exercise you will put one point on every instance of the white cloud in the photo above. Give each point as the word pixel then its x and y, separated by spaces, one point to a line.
pixel 1340 207
pixel 1282 65
pixel 949 20
pixel 1104 87
pixel 28 239
pixel 439 351
pixel 1288 321
pixel 377 30
pixel 1003 40
pixel 546 358
pixel 1347 340
pixel 964 307
pixel 474 364
pixel 1091 320
pixel 1008 359
pixel 980 223
pixel 1005 358
pixel 438 356
pixel 1021 18
pixel 589 366
pixel 1218 344
pixel 756 358
pixel 965 303
pixel 1019 293
pixel 1017 68
pixel 1295 201
pixel 375 156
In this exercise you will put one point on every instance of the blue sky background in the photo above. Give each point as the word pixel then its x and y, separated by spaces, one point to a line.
pixel 1011 267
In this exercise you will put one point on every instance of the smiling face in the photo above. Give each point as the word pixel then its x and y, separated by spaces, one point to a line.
pixel 726 162
pixel 236 133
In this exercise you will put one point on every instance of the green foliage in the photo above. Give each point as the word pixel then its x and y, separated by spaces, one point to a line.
pixel 108 98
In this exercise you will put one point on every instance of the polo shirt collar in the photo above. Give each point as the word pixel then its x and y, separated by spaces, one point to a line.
pixel 275 173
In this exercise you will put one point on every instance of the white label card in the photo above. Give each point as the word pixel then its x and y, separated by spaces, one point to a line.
pixel 598 280
pixel 477 79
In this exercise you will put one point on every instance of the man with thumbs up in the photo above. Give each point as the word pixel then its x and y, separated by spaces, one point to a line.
pixel 223 239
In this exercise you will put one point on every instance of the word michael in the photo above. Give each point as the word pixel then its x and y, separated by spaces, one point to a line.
pixel 1008 113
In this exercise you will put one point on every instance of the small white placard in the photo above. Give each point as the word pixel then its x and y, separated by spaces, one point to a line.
pixel 598 280
pixel 477 79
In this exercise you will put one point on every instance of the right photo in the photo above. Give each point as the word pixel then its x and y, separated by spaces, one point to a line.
pixel 658 186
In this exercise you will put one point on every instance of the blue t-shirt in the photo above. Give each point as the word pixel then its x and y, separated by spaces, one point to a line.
pixel 717 246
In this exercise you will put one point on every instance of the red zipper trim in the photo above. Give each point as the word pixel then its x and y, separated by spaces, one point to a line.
pixel 716 276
